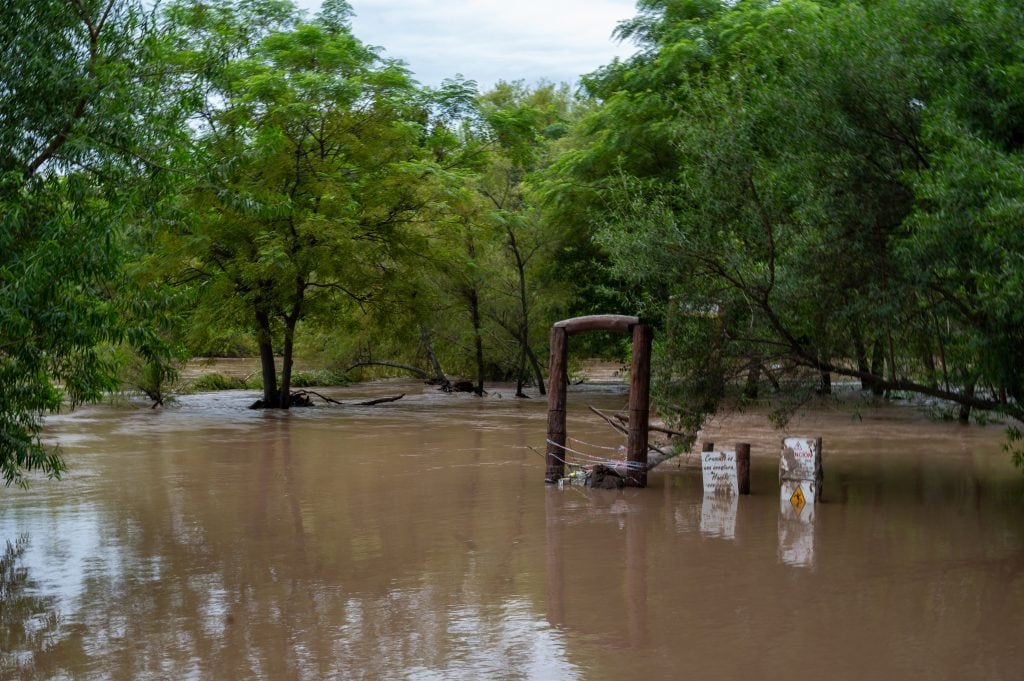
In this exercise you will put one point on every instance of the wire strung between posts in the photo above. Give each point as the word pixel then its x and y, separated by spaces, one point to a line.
pixel 584 455
pixel 629 465
pixel 558 458
pixel 614 449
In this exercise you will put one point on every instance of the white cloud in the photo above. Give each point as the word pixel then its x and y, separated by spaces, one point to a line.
pixel 488 40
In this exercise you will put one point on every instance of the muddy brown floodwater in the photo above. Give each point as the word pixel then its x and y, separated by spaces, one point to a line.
pixel 416 540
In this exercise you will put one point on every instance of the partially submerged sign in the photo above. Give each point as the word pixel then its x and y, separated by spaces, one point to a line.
pixel 720 475
pixel 800 472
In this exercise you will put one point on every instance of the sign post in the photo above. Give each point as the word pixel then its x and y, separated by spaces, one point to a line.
pixel 800 488
pixel 800 472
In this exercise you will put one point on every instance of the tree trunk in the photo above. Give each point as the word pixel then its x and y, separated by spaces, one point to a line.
pixel 750 390
pixel 286 365
pixel 825 383
pixel 538 374
pixel 877 367
pixel 928 359
pixel 473 299
pixel 521 373
pixel 289 342
pixel 862 355
pixel 474 313
pixel 524 316
pixel 266 345
pixel 964 416
pixel 428 347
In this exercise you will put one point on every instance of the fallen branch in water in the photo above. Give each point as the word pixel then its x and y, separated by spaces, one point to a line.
pixel 368 403
pixel 380 400
pixel 304 393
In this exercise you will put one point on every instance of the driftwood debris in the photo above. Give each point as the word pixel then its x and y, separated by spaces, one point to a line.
pixel 380 400
pixel 306 393
pixel 300 398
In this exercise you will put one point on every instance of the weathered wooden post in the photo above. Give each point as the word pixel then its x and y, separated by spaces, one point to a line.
pixel 558 381
pixel 639 407
pixel 639 394
pixel 743 466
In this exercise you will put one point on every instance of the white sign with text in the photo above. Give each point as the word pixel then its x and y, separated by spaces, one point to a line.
pixel 720 475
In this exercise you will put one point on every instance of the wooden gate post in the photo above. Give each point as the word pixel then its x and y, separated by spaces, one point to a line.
pixel 558 380
pixel 639 393
pixel 639 407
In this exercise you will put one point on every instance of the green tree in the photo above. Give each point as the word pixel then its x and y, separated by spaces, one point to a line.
pixel 316 175
pixel 802 189
pixel 75 92
pixel 485 284
pixel 523 125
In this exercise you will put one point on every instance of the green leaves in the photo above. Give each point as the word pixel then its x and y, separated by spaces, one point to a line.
pixel 840 180
pixel 78 149
pixel 319 178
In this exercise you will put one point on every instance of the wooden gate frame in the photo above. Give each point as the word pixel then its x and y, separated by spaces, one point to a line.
pixel 639 392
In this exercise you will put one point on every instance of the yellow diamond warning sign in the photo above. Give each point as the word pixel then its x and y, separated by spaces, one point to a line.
pixel 798 499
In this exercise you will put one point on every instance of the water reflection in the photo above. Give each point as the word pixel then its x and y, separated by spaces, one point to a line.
pixel 616 523
pixel 30 625
pixel 507 643
pixel 418 542
pixel 796 533
pixel 718 515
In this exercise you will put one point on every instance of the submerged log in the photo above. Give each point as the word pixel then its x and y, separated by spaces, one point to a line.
pixel 296 399
pixel 301 398
pixel 381 400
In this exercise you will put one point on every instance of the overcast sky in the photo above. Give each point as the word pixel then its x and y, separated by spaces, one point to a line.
pixel 491 40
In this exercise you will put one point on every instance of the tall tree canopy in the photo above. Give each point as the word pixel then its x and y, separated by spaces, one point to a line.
pixel 73 93
pixel 314 169
pixel 809 189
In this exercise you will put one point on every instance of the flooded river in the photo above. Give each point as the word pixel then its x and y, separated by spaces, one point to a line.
pixel 416 540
